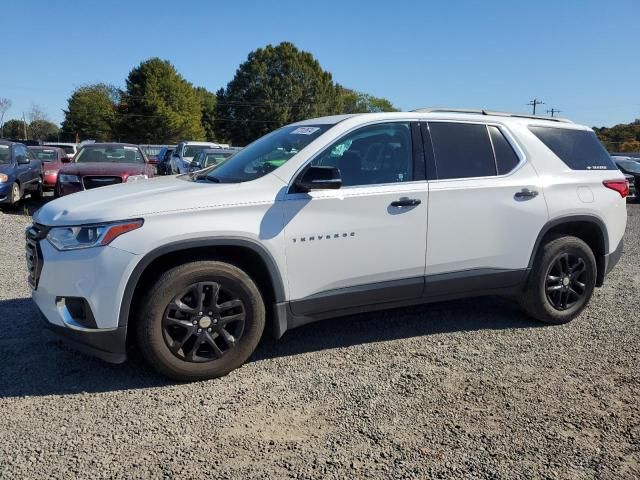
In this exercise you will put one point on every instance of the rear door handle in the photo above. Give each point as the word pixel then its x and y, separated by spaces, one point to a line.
pixel 406 202
pixel 526 193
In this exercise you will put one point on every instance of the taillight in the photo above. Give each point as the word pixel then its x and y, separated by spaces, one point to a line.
pixel 620 186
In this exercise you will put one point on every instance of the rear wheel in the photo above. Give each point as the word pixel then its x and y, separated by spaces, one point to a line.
pixel 561 282
pixel 201 320
pixel 39 192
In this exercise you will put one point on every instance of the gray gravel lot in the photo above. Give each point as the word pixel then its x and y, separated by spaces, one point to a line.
pixel 467 389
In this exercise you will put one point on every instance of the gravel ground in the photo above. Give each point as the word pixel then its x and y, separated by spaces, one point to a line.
pixel 467 389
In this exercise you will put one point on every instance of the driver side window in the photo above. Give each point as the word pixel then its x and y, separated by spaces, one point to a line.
pixel 371 155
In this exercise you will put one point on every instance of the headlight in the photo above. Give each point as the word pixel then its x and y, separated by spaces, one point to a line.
pixel 87 236
pixel 136 178
pixel 3 178
pixel 51 172
pixel 64 178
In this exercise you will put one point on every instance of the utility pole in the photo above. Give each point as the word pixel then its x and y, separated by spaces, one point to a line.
pixel 533 104
pixel 24 126
pixel 553 111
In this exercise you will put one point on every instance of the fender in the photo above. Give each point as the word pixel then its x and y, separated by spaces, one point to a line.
pixel 274 272
pixel 568 219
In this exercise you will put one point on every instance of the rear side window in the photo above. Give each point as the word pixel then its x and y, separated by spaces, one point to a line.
pixel 462 150
pixel 578 149
pixel 506 158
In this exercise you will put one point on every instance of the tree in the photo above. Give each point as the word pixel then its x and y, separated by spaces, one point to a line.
pixel 160 106
pixel 273 87
pixel 14 129
pixel 43 130
pixel 208 112
pixel 624 135
pixel 92 113
pixel 5 104
pixel 359 102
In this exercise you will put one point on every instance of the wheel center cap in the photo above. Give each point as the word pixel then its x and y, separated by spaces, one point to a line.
pixel 204 322
pixel 565 281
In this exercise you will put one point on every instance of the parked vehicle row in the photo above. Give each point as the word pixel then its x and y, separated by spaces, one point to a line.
pixel 630 166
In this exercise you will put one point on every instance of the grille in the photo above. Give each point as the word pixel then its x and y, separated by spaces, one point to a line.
pixel 33 254
pixel 90 182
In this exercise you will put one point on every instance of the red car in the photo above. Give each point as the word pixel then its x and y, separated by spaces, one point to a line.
pixel 101 164
pixel 52 159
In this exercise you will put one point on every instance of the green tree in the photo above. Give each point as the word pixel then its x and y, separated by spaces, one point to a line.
pixel 624 137
pixel 92 113
pixel 14 129
pixel 208 112
pixel 43 130
pixel 276 85
pixel 359 102
pixel 160 106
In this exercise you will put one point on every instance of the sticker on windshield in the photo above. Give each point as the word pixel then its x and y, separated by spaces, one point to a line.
pixel 305 130
pixel 130 148
pixel 4 146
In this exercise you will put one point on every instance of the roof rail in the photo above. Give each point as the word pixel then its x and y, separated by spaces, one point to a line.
pixel 489 112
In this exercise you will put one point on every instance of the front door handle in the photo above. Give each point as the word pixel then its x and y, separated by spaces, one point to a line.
pixel 406 202
pixel 526 193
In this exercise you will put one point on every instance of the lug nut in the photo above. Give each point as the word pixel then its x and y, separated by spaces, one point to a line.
pixel 208 329
pixel 199 313
pixel 199 330
pixel 210 313
pixel 195 322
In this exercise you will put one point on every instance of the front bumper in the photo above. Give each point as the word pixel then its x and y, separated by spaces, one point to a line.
pixel 96 275
pixel 5 192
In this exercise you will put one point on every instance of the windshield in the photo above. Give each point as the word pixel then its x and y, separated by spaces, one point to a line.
pixel 5 153
pixel 629 166
pixel 109 154
pixel 212 159
pixel 48 155
pixel 67 149
pixel 191 151
pixel 266 154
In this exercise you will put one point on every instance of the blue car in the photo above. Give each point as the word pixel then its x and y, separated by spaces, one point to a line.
pixel 20 173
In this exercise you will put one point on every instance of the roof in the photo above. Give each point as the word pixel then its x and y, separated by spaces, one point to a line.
pixel 468 115
pixel 110 144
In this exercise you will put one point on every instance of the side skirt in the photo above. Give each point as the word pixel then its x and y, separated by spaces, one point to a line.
pixel 395 294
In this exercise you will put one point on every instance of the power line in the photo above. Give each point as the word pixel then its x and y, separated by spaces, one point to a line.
pixel 553 111
pixel 533 103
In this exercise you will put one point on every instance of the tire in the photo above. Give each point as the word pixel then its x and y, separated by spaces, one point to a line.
pixel 553 293
pixel 15 195
pixel 169 317
pixel 39 193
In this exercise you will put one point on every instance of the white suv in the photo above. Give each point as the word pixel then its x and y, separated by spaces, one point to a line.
pixel 183 154
pixel 328 217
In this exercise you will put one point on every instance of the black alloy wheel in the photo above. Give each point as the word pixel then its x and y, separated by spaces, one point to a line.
pixel 203 322
pixel 566 281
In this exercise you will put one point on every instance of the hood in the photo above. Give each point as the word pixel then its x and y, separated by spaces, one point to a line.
pixel 103 168
pixel 6 167
pixel 153 196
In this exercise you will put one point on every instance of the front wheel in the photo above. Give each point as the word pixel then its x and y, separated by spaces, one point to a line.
pixel 200 320
pixel 561 282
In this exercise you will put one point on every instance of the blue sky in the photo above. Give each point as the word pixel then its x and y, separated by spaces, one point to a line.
pixel 578 56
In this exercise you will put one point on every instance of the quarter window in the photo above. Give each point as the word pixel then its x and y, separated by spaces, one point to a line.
pixel 462 150
pixel 372 155
pixel 506 158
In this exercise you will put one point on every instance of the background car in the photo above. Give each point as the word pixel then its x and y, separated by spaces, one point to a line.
pixel 164 161
pixel 184 153
pixel 102 164
pixel 53 159
pixel 629 166
pixel 209 157
pixel 69 148
pixel 20 173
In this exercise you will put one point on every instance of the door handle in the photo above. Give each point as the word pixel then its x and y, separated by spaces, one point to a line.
pixel 526 193
pixel 406 202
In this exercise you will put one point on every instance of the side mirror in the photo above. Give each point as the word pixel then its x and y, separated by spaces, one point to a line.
pixel 319 178
pixel 66 160
pixel 22 160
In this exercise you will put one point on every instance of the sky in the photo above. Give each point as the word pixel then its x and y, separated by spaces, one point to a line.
pixel 578 56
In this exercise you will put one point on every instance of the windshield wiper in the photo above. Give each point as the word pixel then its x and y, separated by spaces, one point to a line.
pixel 203 176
